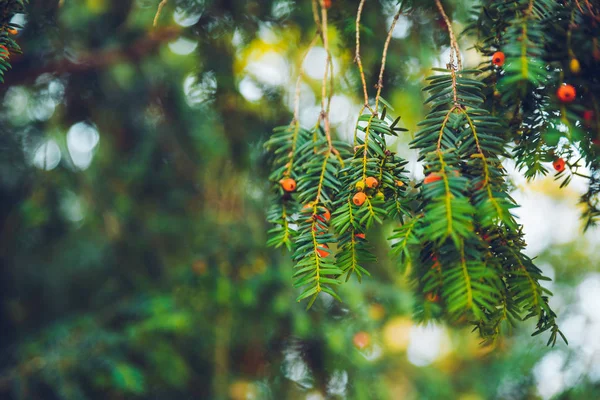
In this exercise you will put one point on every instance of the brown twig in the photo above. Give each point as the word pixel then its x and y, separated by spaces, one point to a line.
pixel 529 8
pixel 301 76
pixel 454 50
pixel 315 11
pixel 357 53
pixel 158 11
pixel 325 97
pixel 384 57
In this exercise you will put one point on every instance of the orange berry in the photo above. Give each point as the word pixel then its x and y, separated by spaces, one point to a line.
pixel 326 215
pixel 432 297
pixel 566 93
pixel 12 31
pixel 432 177
pixel 376 311
pixel 371 182
pixel 326 3
pixel 359 198
pixel 360 235
pixel 361 340
pixel 559 165
pixel 322 251
pixel 498 58
pixel 288 184
pixel 399 183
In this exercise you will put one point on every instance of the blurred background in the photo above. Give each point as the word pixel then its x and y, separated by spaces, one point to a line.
pixel 133 186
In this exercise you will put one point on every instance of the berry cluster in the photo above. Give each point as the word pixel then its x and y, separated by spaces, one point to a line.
pixel 545 85
pixel 370 183
pixel 455 235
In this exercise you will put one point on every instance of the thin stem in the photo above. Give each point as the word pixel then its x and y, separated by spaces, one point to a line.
pixel 529 8
pixel 384 56
pixel 454 50
pixel 301 76
pixel 357 53
pixel 570 34
pixel 325 98
pixel 315 11
pixel 158 11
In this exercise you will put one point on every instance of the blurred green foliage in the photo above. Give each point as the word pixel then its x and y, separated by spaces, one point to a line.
pixel 132 246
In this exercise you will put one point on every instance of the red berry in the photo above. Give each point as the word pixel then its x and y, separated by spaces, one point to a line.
pixel 326 3
pixel 436 263
pixel 433 177
pixel 498 59
pixel 323 250
pixel 4 53
pixel 566 93
pixel 326 216
pixel 360 235
pixel 361 339
pixel 588 115
pixel 559 165
pixel 434 298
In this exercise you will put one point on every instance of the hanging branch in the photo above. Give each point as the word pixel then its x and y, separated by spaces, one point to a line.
pixel 465 201
pixel 373 184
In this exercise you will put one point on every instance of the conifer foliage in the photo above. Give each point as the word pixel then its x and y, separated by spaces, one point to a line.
pixel 8 30
pixel 533 100
pixel 547 90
